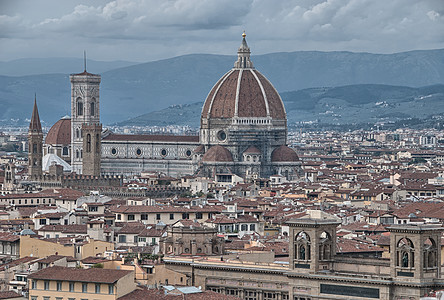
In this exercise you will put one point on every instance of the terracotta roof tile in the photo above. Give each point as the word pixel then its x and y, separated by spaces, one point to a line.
pixel 95 275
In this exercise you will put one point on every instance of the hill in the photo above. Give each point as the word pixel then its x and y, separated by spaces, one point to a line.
pixel 37 66
pixel 133 90
pixel 353 104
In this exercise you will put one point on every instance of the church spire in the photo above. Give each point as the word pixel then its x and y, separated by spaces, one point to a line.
pixel 35 124
pixel 243 55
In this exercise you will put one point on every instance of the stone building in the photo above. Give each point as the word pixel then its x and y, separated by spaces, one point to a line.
pixel 74 283
pixel 187 237
pixel 316 272
pixel 243 133
pixel 85 111
pixel 243 127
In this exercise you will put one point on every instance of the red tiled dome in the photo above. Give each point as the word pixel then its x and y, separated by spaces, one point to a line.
pixel 217 154
pixel 284 154
pixel 249 96
pixel 60 133
pixel 243 92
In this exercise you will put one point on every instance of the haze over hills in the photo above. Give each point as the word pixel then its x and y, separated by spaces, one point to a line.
pixel 64 65
pixel 353 104
pixel 127 92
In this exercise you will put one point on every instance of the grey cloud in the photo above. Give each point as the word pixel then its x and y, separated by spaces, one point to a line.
pixel 174 27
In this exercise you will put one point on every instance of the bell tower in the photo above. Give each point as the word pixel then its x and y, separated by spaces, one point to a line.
pixel 312 244
pixel 85 110
pixel 10 181
pixel 415 252
pixel 35 144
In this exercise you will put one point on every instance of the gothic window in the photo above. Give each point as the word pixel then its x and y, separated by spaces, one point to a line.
pixel 34 148
pixel 92 110
pixel 302 246
pixel 88 143
pixel 65 151
pixel 77 133
pixel 79 107
pixel 405 253
pixel 325 246
pixel 77 154
pixel 430 254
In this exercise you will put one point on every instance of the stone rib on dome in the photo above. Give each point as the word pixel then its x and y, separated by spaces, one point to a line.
pixel 243 93
pixel 217 153
pixel 60 133
pixel 284 154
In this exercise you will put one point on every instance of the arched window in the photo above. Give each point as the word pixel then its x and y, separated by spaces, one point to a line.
pixel 79 107
pixel 77 154
pixel 405 253
pixel 77 133
pixel 88 143
pixel 65 151
pixel 430 253
pixel 302 246
pixel 34 148
pixel 325 246
pixel 92 110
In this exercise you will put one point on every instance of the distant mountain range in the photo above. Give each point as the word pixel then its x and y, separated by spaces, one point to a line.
pixel 353 104
pixel 130 90
pixel 63 65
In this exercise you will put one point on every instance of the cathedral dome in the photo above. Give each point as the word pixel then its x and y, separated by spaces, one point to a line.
pixel 284 154
pixel 217 153
pixel 243 92
pixel 60 133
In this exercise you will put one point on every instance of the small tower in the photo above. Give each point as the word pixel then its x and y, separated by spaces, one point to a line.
pixel 10 182
pixel 84 110
pixel 35 141
pixel 415 252
pixel 312 244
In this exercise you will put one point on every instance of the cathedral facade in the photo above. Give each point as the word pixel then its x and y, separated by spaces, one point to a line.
pixel 243 132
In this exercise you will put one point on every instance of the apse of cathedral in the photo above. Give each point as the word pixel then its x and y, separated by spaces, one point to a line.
pixel 243 133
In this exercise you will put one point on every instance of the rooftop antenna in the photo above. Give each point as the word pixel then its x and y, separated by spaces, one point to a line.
pixel 84 60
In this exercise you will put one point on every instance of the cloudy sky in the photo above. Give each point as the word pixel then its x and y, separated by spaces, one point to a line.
pixel 145 30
